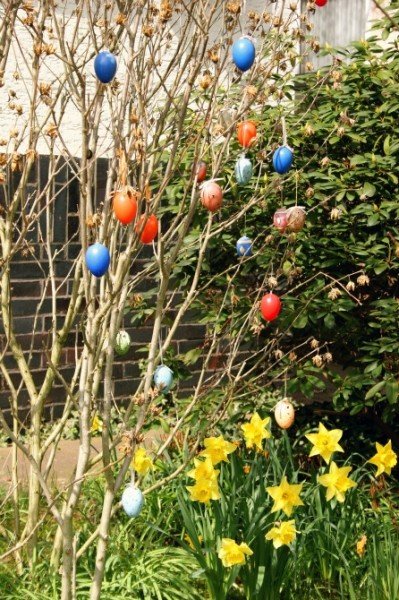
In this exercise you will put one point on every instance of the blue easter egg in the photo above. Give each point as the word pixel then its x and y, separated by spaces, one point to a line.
pixel 163 378
pixel 243 170
pixel 105 66
pixel 244 246
pixel 98 259
pixel 243 52
pixel 283 159
pixel 132 501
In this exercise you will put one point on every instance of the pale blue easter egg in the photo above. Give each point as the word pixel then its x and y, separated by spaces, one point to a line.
pixel 163 378
pixel 243 170
pixel 244 246
pixel 132 501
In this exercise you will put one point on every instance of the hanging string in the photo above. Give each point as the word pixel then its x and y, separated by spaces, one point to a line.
pixel 285 383
pixel 284 128
pixel 160 346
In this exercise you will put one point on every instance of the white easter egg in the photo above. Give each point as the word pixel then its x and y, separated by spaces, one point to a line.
pixel 284 413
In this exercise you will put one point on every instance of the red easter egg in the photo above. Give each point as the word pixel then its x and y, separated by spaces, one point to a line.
pixel 270 306
pixel 321 2
pixel 211 195
pixel 150 230
pixel 246 133
pixel 125 207
pixel 280 219
pixel 200 171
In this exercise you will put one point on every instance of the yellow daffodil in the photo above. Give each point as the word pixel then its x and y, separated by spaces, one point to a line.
pixel 217 449
pixel 325 442
pixel 337 482
pixel 141 462
pixel 361 545
pixel 282 534
pixel 97 425
pixel 285 496
pixel 231 553
pixel 203 470
pixel 385 459
pixel 255 431
pixel 204 490
pixel 190 541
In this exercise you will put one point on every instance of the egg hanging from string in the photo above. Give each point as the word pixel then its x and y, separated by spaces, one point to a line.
pixel 200 169
pixel 98 259
pixel 284 413
pixel 321 2
pixel 122 342
pixel 244 246
pixel 163 378
pixel 280 219
pixel 148 226
pixel 243 53
pixel 211 195
pixel 246 133
pixel 270 306
pixel 243 170
pixel 132 501
pixel 283 158
pixel 296 217
pixel 124 205
pixel 105 66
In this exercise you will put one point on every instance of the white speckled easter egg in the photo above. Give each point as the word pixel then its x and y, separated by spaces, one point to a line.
pixel 132 501
pixel 284 413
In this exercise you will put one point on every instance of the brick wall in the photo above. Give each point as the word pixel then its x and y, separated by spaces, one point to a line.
pixel 31 299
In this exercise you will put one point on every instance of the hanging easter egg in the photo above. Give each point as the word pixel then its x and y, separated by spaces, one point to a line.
pixel 125 207
pixel 321 2
pixel 149 230
pixel 280 219
pixel 243 53
pixel 270 306
pixel 200 171
pixel 283 158
pixel 296 217
pixel 105 66
pixel 243 170
pixel 244 246
pixel 284 413
pixel 246 133
pixel 122 342
pixel 211 195
pixel 132 501
pixel 98 259
pixel 163 378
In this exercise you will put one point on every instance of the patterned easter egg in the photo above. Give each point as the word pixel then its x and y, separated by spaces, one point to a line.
pixel 243 170
pixel 211 195
pixel 284 413
pixel 122 342
pixel 280 219
pixel 296 217
pixel 244 246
